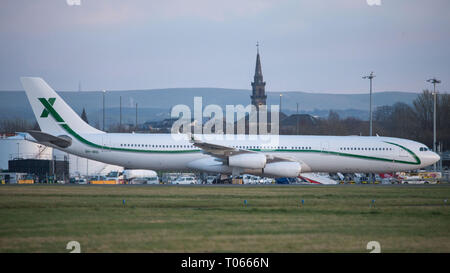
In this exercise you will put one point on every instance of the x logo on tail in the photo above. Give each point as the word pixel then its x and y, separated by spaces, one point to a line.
pixel 48 104
pixel 45 112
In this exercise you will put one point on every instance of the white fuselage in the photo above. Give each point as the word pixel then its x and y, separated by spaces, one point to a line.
pixel 315 153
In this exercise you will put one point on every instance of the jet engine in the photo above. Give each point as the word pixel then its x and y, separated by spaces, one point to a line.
pixel 283 169
pixel 247 161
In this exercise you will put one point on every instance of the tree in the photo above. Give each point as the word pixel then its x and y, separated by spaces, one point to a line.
pixel 423 106
pixel 16 125
pixel 404 121
pixel 383 114
pixel 84 116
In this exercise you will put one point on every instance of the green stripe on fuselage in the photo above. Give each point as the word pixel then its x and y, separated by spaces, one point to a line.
pixel 409 151
pixel 94 145
pixel 81 139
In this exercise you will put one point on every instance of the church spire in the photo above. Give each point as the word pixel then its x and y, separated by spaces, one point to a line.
pixel 258 78
pixel 258 85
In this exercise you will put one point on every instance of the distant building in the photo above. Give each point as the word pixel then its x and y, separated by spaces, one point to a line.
pixel 21 152
pixel 258 85
pixel 43 170
pixel 16 147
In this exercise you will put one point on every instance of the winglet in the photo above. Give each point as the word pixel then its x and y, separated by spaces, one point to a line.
pixel 192 138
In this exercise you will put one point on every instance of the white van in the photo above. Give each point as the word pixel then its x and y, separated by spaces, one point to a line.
pixel 417 181
pixel 185 180
pixel 145 180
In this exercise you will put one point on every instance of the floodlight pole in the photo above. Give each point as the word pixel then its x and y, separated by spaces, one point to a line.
pixel 434 81
pixel 370 77
pixel 297 121
pixel 120 117
pixel 136 115
pixel 104 91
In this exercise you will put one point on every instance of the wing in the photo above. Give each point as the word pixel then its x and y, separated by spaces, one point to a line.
pixel 218 151
pixel 223 152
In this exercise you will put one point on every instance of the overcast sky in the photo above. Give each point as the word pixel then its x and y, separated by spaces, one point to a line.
pixel 312 46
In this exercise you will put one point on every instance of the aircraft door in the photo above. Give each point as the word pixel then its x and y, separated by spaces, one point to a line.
pixel 324 148
pixel 106 143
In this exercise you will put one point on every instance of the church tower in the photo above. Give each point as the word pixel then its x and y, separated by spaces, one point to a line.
pixel 258 85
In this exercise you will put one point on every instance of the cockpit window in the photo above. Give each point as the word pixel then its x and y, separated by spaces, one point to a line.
pixel 423 149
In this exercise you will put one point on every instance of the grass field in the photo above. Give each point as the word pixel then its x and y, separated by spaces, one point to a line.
pixel 44 218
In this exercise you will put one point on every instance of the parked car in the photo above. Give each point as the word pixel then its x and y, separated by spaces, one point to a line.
pixel 78 180
pixel 267 180
pixel 389 180
pixel 417 181
pixel 153 180
pixel 210 179
pixel 185 180
pixel 82 181
pixel 285 180
pixel 250 179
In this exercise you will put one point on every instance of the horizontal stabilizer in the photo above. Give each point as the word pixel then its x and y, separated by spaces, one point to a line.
pixel 60 141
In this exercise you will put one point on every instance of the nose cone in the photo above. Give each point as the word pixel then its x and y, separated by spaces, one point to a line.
pixel 435 158
pixel 430 158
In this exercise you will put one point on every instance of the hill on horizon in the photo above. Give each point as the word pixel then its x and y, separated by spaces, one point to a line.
pixel 156 104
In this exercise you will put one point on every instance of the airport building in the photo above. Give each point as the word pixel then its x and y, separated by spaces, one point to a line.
pixel 41 170
pixel 18 155
pixel 16 147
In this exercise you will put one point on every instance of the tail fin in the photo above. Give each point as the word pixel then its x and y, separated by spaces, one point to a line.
pixel 51 111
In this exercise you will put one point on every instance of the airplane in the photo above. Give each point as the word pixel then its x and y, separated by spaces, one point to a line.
pixel 63 129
